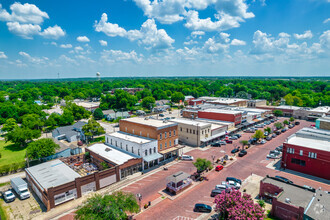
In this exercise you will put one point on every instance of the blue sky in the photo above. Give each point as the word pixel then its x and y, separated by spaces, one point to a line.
pixel 39 39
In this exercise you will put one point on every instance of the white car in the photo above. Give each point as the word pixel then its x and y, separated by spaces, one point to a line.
pixel 272 156
pixel 231 184
pixel 221 187
pixel 263 141
pixel 187 157
pixel 8 196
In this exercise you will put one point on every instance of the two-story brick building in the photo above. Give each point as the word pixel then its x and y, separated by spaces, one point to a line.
pixel 165 132
pixel 308 151
pixel 221 115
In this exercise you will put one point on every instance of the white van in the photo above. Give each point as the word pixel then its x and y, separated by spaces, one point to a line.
pixel 187 157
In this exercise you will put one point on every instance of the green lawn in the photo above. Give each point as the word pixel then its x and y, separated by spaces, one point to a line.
pixel 10 153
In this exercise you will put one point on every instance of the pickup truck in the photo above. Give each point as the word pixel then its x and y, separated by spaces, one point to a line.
pixel 20 187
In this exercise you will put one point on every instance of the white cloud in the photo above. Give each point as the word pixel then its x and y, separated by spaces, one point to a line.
pixel 211 46
pixel 27 13
pixel 325 40
pixel 191 42
pixel 306 35
pixel 148 35
pixel 283 34
pixel 3 55
pixel 326 20
pixel 35 60
pixel 24 30
pixel 234 8
pixel 65 46
pixel 111 56
pixel 166 11
pixel 78 49
pixel 236 42
pixel 112 30
pixel 103 43
pixel 83 39
pixel 225 36
pixel 53 32
pixel 194 34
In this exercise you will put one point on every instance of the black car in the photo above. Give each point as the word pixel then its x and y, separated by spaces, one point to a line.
pixel 253 141
pixel 283 130
pixel 278 132
pixel 202 208
pixel 297 123
pixel 234 179
pixel 268 138
pixel 242 153
pixel 235 150
pixel 216 192
pixel 238 135
pixel 216 144
pixel 283 179
pixel 279 148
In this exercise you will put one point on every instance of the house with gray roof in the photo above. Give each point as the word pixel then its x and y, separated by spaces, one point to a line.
pixel 70 133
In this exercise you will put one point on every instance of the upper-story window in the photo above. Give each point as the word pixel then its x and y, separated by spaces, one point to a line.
pixel 170 133
pixel 150 151
pixel 107 140
pixel 312 155
pixel 160 146
pixel 180 128
pixel 111 141
pixel 202 132
pixel 174 133
pixel 165 136
pixel 132 150
pixel 160 136
pixel 139 152
pixel 154 149
pixel 290 150
pixel 193 131
pixel 146 152
pixel 170 144
pixel 126 147
pixel 116 144
pixel 301 152
pixel 187 130
pixel 165 144
pixel 140 133
pixel 126 129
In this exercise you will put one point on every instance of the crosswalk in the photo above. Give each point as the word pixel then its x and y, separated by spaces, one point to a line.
pixel 183 218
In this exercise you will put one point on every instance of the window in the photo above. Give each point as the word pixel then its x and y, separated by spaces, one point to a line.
pixel 111 141
pixel 170 133
pixel 202 132
pixel 174 133
pixel 121 145
pixel 290 150
pixel 160 136
pixel 312 155
pixel 154 149
pixel 180 128
pixel 298 161
pixel 139 152
pixel 170 144
pixel 107 140
pixel 193 131
pixel 133 131
pixel 301 152
pixel 146 152
pixel 208 131
pixel 148 135
pixel 165 144
pixel 160 146
pixel 126 129
pixel 187 130
pixel 150 151
pixel 126 147
pixel 190 131
pixel 132 150
pixel 116 144
pixel 165 135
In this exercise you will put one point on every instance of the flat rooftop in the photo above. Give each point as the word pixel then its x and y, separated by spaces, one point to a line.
pixel 88 104
pixel 323 109
pixel 326 119
pixel 190 122
pixel 215 121
pixel 131 137
pixel 227 100
pixel 110 153
pixel 298 196
pixel 222 111
pixel 290 107
pixel 150 122
pixel 52 173
pixel 215 126
pixel 311 138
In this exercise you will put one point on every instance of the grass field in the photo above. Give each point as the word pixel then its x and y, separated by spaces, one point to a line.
pixel 10 153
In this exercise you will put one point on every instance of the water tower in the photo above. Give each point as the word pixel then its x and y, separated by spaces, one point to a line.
pixel 98 75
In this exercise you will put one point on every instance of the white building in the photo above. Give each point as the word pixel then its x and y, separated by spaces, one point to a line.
pixel 144 147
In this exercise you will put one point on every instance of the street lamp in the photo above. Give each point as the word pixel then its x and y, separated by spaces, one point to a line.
pixel 139 196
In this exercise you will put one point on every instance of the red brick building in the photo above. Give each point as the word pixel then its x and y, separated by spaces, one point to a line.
pixel 221 115
pixel 290 201
pixel 308 151
pixel 195 102
pixel 165 132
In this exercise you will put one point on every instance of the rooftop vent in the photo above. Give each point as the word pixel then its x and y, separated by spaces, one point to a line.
pixel 107 149
pixel 287 200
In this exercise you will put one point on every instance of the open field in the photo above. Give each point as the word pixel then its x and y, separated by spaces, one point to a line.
pixel 11 153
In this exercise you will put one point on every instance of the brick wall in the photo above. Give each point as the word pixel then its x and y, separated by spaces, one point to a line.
pixel 325 125
pixel 236 118
pixel 286 211
pixel 189 114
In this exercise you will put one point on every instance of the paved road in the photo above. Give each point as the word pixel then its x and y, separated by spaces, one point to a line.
pixel 254 162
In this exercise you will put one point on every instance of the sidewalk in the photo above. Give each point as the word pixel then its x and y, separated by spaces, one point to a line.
pixel 5 179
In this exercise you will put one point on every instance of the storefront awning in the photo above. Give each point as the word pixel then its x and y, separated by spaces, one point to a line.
pixel 168 150
pixel 213 137
pixel 152 157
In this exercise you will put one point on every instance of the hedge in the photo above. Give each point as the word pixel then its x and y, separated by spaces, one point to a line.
pixel 8 168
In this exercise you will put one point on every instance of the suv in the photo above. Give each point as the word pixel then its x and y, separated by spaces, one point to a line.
pixel 202 208
pixel 8 196
pixel 222 142
pixel 161 115
pixel 216 144
pixel 242 153
pixel 235 150
pixel 234 179
pixel 238 135
pixel 215 192
pixel 283 179
pixel 297 123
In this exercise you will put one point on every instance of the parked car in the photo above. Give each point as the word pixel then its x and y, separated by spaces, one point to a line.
pixel 272 156
pixel 238 135
pixel 229 141
pixel 283 179
pixel 272 120
pixel 253 141
pixel 266 133
pixel 234 179
pixel 297 123
pixel 215 192
pixel 242 153
pixel 275 152
pixel 235 150
pixel 309 187
pixel 263 141
pixel 259 126
pixel 283 130
pixel 278 132
pixel 231 184
pixel 20 187
pixel 222 142
pixel 268 138
pixel 187 157
pixel 221 187
pixel 217 144
pixel 218 168
pixel 280 148
pixel 274 135
pixel 233 138
pixel 290 125
pixel 161 115
pixel 8 196
pixel 199 207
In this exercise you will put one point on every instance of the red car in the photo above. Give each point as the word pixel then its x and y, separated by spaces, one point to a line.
pixel 218 168
pixel 229 141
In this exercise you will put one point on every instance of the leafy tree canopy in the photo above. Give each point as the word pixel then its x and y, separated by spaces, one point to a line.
pixel 202 164
pixel 41 148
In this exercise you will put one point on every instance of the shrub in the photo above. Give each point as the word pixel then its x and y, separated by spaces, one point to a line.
pixel 262 203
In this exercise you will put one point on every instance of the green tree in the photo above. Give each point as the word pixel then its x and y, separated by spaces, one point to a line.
pixel 32 121
pixel 148 102
pixel 92 128
pixel 285 122
pixel 278 113
pixel 67 117
pixel 22 136
pixel 202 164
pixel 98 114
pixel 114 206
pixel 176 97
pixel 53 120
pixel 244 142
pixel 43 147
pixel 258 135
pixel 278 125
pixel 268 129
pixel 291 119
pixel 9 125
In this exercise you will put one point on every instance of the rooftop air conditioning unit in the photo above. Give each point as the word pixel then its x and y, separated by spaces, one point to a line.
pixel 287 200
pixel 107 149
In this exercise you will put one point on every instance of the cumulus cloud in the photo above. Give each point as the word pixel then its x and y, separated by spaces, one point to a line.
pixel 325 40
pixel 225 37
pixel 103 43
pixel 306 35
pixel 3 55
pixel 111 56
pixel 35 60
pixel 326 21
pixel 191 42
pixel 65 46
pixel 53 32
pixel 83 39
pixel 194 34
pixel 212 46
pixel 148 35
pixel 25 19
pixel 236 42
